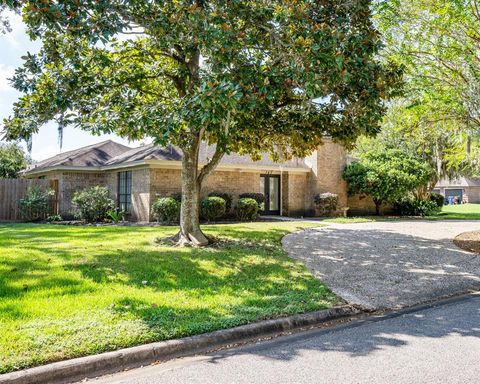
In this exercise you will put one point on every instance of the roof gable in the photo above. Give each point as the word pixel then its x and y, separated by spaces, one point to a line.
pixel 91 156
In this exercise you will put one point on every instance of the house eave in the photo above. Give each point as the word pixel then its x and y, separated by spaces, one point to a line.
pixel 166 164
pixel 170 164
pixel 61 168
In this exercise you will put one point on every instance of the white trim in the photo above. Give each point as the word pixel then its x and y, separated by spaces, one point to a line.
pixel 166 164
pixel 91 169
pixel 174 164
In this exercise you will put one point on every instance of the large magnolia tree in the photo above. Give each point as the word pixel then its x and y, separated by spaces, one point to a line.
pixel 248 76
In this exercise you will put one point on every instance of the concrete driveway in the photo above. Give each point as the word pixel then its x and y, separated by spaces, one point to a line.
pixel 391 264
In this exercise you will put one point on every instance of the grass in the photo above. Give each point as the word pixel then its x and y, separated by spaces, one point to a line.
pixel 72 291
pixel 458 212
pixel 449 212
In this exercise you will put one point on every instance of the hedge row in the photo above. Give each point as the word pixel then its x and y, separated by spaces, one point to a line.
pixel 213 207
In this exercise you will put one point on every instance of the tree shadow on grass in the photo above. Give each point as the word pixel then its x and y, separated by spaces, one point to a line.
pixel 263 281
pixel 13 234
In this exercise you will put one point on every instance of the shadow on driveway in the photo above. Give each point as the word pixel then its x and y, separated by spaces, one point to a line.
pixel 381 266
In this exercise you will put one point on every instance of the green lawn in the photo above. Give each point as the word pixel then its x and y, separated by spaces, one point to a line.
pixel 73 291
pixel 458 212
pixel 449 212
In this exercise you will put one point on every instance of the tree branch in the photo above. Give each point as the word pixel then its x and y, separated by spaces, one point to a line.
pixel 208 168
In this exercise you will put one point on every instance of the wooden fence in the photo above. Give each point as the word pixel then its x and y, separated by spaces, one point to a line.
pixel 12 190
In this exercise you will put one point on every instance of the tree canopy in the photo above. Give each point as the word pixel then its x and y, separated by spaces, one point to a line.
pixel 436 43
pixel 447 147
pixel 13 159
pixel 248 76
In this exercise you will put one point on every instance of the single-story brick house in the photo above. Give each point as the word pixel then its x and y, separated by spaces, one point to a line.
pixel 136 177
pixel 464 190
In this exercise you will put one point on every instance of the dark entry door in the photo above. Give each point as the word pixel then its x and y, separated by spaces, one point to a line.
pixel 271 187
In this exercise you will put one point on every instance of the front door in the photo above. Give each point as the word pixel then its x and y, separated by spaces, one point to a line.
pixel 271 188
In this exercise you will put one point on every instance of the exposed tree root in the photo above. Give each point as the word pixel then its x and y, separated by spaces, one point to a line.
pixel 192 240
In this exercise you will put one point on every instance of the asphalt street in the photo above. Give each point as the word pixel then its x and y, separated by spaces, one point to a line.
pixel 433 345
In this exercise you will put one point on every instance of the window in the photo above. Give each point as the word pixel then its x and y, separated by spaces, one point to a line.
pixel 125 191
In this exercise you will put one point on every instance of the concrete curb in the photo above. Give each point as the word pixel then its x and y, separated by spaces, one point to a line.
pixel 92 366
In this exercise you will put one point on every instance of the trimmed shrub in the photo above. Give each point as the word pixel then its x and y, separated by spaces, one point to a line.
pixel 92 204
pixel 438 199
pixel 258 197
pixel 54 218
pixel 326 203
pixel 225 196
pixel 416 207
pixel 213 208
pixel 166 210
pixel 36 204
pixel 246 209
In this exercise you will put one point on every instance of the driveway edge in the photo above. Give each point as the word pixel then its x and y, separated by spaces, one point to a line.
pixel 93 366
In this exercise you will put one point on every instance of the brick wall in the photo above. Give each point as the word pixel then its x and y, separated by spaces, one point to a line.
pixel 327 164
pixel 364 205
pixel 165 182
pixel 294 194
pixel 69 183
pixel 233 182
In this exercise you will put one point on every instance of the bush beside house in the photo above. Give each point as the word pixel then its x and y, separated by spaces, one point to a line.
pixel 225 196
pixel 166 210
pixel 326 203
pixel 35 205
pixel 438 198
pixel 213 208
pixel 246 209
pixel 258 197
pixel 416 207
pixel 92 204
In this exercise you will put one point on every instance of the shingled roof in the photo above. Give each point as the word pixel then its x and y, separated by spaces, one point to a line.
pixel 110 154
pixel 458 182
pixel 172 153
pixel 91 156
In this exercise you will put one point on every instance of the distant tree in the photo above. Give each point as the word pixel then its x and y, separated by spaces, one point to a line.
pixel 13 159
pixel 438 44
pixel 248 76
pixel 386 175
pixel 420 130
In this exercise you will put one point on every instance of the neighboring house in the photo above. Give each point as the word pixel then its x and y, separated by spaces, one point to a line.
pixel 464 189
pixel 137 177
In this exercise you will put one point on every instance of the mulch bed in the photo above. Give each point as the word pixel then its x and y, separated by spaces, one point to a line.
pixel 469 241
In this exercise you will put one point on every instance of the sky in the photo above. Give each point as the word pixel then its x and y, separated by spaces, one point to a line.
pixel 13 46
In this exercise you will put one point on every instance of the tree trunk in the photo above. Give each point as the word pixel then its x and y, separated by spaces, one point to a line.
pixel 378 204
pixel 192 180
pixel 190 232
